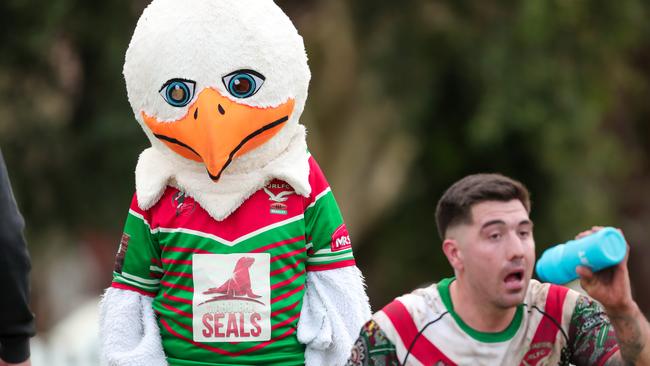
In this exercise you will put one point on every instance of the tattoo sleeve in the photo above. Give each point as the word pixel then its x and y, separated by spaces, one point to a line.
pixel 372 348
pixel 632 335
pixel 591 335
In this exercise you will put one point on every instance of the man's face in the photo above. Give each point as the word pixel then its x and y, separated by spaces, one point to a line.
pixel 496 252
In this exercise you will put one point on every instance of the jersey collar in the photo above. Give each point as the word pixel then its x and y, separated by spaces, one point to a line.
pixel 485 337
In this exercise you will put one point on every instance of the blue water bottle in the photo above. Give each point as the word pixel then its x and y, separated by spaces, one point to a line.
pixel 604 248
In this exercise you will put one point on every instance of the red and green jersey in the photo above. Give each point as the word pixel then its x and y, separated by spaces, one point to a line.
pixel 230 292
pixel 554 326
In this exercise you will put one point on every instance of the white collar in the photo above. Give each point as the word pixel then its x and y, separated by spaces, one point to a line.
pixel 156 170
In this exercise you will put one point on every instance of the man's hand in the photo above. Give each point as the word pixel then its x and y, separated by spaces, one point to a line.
pixel 611 287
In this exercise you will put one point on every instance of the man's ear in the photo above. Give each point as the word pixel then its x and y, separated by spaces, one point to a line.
pixel 454 255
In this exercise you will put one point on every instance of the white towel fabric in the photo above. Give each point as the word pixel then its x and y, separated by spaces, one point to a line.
pixel 128 330
pixel 334 309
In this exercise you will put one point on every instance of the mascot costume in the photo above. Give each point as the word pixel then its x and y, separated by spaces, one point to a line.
pixel 234 250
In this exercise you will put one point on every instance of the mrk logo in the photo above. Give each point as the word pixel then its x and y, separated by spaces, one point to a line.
pixel 341 239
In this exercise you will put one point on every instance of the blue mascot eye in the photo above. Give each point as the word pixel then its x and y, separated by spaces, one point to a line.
pixel 178 92
pixel 243 83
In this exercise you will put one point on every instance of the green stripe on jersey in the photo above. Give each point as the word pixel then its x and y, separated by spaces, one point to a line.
pixel 322 218
pixel 204 241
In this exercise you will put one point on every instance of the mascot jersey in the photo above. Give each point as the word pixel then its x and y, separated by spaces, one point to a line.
pixel 232 288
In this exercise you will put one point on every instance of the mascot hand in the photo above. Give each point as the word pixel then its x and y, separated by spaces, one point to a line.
pixel 335 307
pixel 128 330
pixel 313 328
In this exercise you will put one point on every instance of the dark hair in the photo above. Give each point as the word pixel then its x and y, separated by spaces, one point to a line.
pixel 455 206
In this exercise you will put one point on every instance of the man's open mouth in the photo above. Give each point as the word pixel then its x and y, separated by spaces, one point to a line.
pixel 514 276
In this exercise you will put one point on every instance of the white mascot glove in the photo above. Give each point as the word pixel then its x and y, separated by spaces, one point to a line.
pixel 334 309
pixel 129 333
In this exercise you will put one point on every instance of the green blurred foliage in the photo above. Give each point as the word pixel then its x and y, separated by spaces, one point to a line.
pixel 66 125
pixel 553 93
pixel 537 90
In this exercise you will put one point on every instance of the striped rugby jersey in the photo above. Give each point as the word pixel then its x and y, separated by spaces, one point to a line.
pixel 230 292
pixel 544 331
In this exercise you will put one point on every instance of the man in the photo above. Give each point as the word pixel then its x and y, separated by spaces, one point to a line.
pixel 491 312
pixel 16 320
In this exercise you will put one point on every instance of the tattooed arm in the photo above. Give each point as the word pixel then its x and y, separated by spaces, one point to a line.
pixel 611 287
pixel 633 336
pixel 373 348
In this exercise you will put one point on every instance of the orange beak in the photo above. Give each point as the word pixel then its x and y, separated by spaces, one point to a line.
pixel 216 130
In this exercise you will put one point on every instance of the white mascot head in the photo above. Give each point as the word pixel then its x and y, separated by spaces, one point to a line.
pixel 219 84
